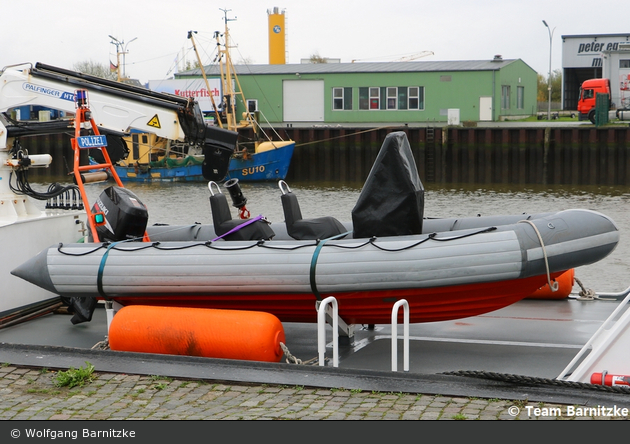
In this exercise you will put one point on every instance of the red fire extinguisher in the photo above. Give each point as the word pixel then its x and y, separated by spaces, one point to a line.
pixel 610 380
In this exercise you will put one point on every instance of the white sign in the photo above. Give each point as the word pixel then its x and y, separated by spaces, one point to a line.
pixel 585 51
pixel 91 141
pixel 195 88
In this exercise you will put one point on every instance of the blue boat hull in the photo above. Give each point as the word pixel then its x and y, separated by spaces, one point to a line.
pixel 264 166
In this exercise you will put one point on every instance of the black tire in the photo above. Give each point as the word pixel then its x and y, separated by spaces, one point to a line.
pixel 591 116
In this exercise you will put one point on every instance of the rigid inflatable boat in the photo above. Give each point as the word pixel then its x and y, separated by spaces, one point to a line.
pixel 444 268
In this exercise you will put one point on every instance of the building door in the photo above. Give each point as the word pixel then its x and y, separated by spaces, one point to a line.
pixel 485 109
pixel 303 100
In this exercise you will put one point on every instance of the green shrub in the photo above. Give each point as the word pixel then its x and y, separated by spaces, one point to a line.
pixel 75 377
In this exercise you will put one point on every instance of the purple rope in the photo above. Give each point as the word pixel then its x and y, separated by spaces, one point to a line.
pixel 238 227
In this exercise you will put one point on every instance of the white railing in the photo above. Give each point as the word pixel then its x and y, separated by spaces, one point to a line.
pixel 321 330
pixel 395 310
pixel 607 348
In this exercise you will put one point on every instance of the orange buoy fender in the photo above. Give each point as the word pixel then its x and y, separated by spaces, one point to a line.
pixel 226 334
pixel 565 286
pixel 610 380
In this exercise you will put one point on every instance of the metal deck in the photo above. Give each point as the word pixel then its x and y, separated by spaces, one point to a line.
pixel 532 339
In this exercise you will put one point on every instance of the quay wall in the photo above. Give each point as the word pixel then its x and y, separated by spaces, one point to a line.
pixel 584 155
pixel 553 155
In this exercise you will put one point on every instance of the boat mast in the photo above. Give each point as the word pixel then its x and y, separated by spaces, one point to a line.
pixel 226 76
pixel 203 73
pixel 227 72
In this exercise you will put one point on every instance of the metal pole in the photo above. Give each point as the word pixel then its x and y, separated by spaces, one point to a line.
pixel 124 57
pixel 116 43
pixel 123 51
pixel 550 31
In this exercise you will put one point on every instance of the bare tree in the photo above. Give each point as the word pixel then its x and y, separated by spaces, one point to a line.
pixel 245 61
pixel 316 58
pixel 96 69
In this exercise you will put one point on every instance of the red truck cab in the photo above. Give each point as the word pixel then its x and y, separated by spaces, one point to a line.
pixel 588 93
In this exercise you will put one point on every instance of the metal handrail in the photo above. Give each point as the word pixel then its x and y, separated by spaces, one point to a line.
pixel 395 311
pixel 569 370
pixel 321 330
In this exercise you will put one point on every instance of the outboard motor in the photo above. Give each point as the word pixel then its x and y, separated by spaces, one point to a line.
pixel 126 216
pixel 391 202
pixel 218 147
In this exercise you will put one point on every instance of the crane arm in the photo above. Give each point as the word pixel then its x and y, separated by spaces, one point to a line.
pixel 415 56
pixel 117 108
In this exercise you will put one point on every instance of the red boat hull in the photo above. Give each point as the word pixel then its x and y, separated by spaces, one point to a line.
pixel 373 307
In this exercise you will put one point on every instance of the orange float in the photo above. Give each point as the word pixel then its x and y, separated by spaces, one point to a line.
pixel 565 286
pixel 226 334
pixel 610 380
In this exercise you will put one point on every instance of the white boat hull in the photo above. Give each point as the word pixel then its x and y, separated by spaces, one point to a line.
pixel 21 239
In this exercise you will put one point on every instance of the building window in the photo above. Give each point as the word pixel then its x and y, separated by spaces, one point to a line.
pixel 342 99
pixel 624 63
pixel 402 97
pixel 520 97
pixel 388 98
pixel 505 97
pixel 363 98
pixel 252 105
pixel 416 97
pixel 370 98
pixel 337 98
pixel 375 98
pixel 392 97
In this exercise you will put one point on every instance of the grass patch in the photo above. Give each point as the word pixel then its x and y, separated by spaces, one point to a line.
pixel 160 378
pixel 43 391
pixel 521 403
pixel 74 377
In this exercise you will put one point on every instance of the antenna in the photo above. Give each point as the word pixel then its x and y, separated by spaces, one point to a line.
pixel 225 11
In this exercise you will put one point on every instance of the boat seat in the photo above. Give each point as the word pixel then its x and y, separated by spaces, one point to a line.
pixel 306 229
pixel 223 222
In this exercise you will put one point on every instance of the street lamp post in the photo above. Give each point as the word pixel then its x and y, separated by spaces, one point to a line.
pixel 549 78
pixel 124 51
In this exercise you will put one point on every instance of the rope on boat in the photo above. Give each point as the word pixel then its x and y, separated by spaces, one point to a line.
pixel 227 246
pixel 238 227
pixel 101 345
pixel 346 135
pixel 588 294
pixel 530 380
pixel 585 295
pixel 290 359
pixel 555 285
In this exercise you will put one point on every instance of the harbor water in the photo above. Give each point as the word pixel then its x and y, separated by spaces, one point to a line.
pixel 187 203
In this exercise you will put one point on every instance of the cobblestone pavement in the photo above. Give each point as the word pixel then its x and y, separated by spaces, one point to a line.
pixel 34 394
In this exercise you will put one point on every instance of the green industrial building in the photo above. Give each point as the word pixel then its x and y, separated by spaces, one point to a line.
pixel 450 92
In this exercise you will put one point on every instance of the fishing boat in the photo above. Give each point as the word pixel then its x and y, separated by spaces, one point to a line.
pixel 176 162
pixel 263 159
pixel 444 268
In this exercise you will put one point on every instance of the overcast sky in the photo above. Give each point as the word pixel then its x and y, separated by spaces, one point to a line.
pixel 65 32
